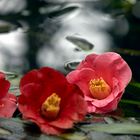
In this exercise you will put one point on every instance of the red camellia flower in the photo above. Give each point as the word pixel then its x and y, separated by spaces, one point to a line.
pixel 50 101
pixel 102 78
pixel 7 100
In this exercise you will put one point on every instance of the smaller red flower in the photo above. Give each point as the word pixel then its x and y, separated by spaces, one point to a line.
pixel 103 79
pixel 7 101
pixel 50 101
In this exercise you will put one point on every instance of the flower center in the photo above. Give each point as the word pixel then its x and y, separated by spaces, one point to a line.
pixel 51 106
pixel 99 88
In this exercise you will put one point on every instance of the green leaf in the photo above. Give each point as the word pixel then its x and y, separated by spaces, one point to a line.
pixel 133 89
pixel 130 52
pixel 80 42
pixel 134 85
pixel 129 108
pixel 15 90
pixel 4 132
pixel 71 65
pixel 10 75
pixel 6 27
pixel 115 128
pixel 17 129
pixel 74 136
pixel 62 11
pixel 130 102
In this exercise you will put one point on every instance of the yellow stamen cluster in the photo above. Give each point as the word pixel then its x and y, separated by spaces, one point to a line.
pixel 51 106
pixel 99 88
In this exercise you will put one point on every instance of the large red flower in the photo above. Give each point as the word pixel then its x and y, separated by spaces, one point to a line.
pixel 50 101
pixel 102 78
pixel 7 100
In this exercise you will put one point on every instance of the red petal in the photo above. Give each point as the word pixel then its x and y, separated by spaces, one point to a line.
pixel 49 79
pixel 47 129
pixel 34 116
pixel 12 97
pixel 35 91
pixel 73 110
pixel 51 74
pixel 7 106
pixel 2 75
pixel 62 122
pixel 30 77
pixel 4 87
pixel 31 113
pixel 31 93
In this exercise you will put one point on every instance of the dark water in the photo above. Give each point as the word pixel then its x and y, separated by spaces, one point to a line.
pixel 34 33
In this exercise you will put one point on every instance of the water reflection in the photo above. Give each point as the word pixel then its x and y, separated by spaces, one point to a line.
pixel 89 24
pixel 42 39
pixel 11 6
pixel 13 46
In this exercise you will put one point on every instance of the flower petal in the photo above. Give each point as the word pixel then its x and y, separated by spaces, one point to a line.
pixel 31 113
pixel 31 77
pixel 8 106
pixel 110 65
pixel 47 129
pixel 34 92
pixel 50 74
pixel 30 93
pixel 82 78
pixel 4 87
pixel 73 110
pixel 115 72
pixel 88 62
pixel 109 107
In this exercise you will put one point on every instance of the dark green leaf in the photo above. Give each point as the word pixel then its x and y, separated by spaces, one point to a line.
pixel 130 102
pixel 71 65
pixel 74 136
pixel 81 43
pixel 130 52
pixel 115 128
pixel 62 11
pixel 10 75
pixel 6 27
pixel 4 132
pixel 17 129
pixel 133 89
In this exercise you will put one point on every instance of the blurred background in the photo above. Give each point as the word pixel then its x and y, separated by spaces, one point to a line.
pixel 59 33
